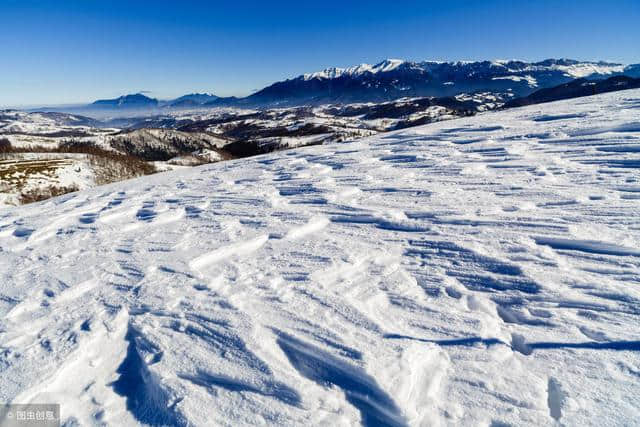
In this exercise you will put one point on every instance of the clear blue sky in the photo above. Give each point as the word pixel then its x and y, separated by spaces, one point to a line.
pixel 66 51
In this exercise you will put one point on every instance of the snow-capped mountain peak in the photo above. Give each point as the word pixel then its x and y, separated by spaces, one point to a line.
pixel 387 65
pixel 328 73
pixel 357 70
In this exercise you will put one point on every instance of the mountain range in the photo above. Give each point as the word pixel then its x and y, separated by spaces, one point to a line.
pixel 392 79
pixel 141 101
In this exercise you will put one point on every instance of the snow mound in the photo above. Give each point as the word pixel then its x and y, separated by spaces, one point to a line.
pixel 482 271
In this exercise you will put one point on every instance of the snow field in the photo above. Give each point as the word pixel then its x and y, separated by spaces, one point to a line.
pixel 482 271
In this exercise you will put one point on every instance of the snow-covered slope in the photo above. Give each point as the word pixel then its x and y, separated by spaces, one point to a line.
pixel 483 271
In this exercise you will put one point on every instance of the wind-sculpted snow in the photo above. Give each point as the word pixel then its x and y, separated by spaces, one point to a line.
pixel 478 272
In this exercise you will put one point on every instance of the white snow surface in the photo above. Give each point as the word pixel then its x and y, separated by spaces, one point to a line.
pixel 585 70
pixel 527 78
pixel 480 271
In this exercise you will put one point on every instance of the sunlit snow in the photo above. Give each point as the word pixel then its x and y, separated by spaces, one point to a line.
pixel 480 271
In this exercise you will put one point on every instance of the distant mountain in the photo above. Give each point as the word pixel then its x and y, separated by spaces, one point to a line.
pixel 575 89
pixel 224 101
pixel 392 79
pixel 141 102
pixel 134 101
pixel 192 100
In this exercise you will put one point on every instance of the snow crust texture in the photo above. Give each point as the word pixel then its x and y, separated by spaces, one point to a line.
pixel 481 271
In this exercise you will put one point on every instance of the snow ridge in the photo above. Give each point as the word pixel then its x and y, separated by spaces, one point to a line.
pixel 358 70
pixel 573 69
